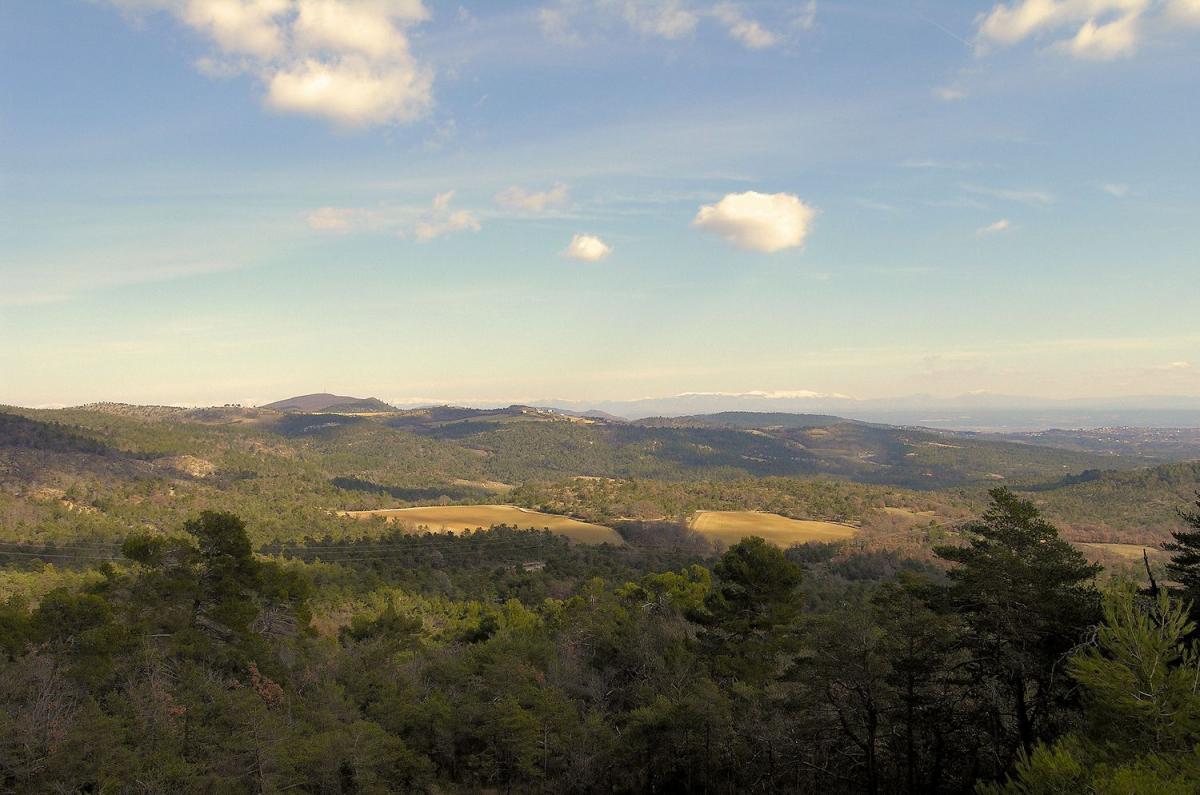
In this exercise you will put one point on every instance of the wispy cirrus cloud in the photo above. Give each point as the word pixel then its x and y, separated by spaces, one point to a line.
pixel 1024 196
pixel 573 22
pixel 519 199
pixel 421 223
pixel 51 283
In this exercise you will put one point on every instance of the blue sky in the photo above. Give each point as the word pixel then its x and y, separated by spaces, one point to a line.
pixel 236 200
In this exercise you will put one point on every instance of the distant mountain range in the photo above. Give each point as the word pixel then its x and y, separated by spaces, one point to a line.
pixel 980 412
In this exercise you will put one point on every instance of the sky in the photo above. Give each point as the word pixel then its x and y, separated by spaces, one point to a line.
pixel 212 201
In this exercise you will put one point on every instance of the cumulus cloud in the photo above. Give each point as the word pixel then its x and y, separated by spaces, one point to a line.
pixel 373 28
pixel 343 60
pixel 350 91
pixel 518 199
pixel 1103 29
pixel 994 227
pixel 441 220
pixel 246 27
pixel 758 221
pixel 747 31
pixel 587 248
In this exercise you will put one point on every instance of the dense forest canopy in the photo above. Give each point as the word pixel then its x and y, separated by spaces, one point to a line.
pixel 445 663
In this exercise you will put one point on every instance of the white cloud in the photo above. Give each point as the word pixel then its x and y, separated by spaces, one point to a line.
pixel 572 22
pixel 806 17
pixel 332 219
pixel 1107 41
pixel 517 198
pixel 1103 29
pixel 350 91
pixel 1186 11
pixel 423 223
pixel 957 165
pixel 668 19
pixel 950 93
pixel 1037 197
pixel 1175 366
pixel 556 26
pixel 1006 24
pixel 441 220
pixel 1120 190
pixel 369 27
pixel 587 248
pixel 246 27
pixel 994 228
pixel 758 221
pixel 344 60
pixel 747 31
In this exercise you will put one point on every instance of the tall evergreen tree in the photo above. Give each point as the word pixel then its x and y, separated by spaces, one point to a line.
pixel 1026 597
pixel 752 610
pixel 1184 567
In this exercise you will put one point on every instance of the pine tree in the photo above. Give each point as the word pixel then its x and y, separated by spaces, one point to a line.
pixel 1184 567
pixel 752 610
pixel 1141 722
pixel 1026 598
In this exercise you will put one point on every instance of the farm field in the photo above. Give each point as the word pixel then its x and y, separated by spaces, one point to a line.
pixel 1128 551
pixel 732 526
pixel 909 513
pixel 456 518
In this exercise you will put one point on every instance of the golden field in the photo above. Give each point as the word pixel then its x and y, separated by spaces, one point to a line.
pixel 1127 551
pixel 732 526
pixel 456 518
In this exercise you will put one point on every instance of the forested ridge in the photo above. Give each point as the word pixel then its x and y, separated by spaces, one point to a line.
pixel 104 471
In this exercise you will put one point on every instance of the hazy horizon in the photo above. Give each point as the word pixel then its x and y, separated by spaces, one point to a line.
pixel 969 412
pixel 782 397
